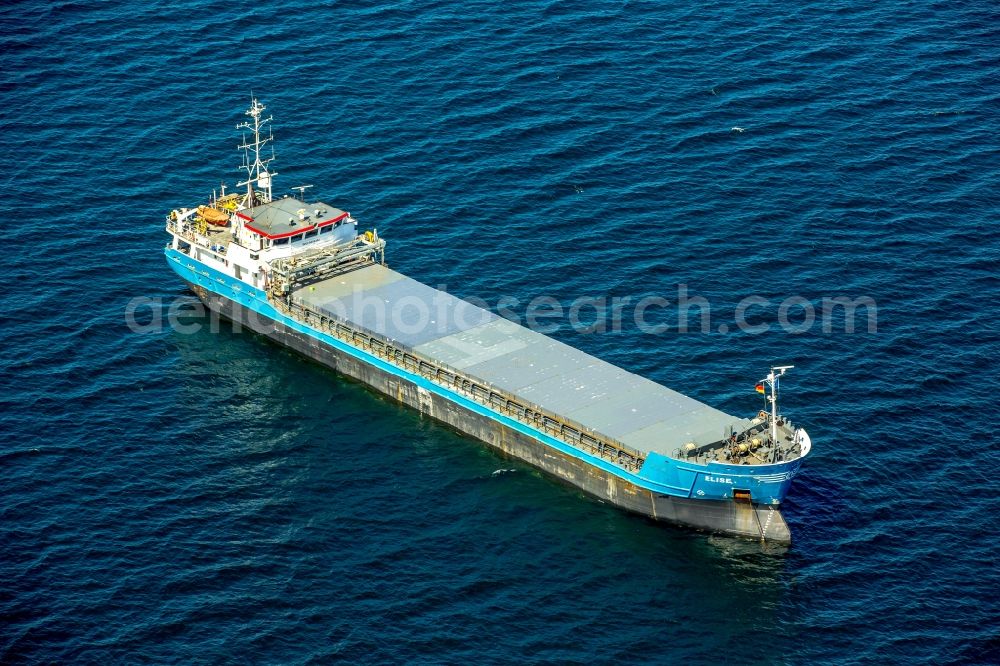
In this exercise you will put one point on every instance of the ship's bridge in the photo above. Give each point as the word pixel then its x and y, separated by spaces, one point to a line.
pixel 286 220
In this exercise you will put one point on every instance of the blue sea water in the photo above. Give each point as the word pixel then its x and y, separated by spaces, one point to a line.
pixel 210 497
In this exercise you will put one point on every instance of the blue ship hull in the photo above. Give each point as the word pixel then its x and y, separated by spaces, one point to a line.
pixel 664 488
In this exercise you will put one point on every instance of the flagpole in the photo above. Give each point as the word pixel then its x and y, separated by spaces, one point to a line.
pixel 774 411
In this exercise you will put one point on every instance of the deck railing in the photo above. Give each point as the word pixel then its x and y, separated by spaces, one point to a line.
pixel 474 389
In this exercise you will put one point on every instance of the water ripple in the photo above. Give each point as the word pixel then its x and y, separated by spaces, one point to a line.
pixel 207 496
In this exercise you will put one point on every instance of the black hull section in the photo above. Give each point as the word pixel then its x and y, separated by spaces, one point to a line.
pixel 738 519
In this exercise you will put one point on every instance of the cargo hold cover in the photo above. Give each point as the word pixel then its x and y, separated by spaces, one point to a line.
pixel 541 371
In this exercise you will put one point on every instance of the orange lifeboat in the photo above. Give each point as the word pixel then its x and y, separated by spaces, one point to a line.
pixel 219 218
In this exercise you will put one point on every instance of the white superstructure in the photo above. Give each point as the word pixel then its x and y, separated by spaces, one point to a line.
pixel 242 233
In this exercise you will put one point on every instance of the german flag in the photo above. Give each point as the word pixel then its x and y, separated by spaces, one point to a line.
pixel 759 388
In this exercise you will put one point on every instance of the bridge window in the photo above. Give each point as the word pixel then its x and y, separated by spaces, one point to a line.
pixel 326 229
pixel 281 241
pixel 310 234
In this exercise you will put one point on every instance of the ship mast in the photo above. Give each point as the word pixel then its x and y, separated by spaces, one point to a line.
pixel 772 381
pixel 257 172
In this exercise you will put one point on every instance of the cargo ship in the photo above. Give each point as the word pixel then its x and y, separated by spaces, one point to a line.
pixel 302 274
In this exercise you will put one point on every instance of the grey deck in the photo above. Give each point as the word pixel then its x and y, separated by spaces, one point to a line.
pixel 559 378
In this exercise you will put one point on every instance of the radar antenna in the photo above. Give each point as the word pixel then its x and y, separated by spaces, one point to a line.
pixel 302 190
pixel 257 173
